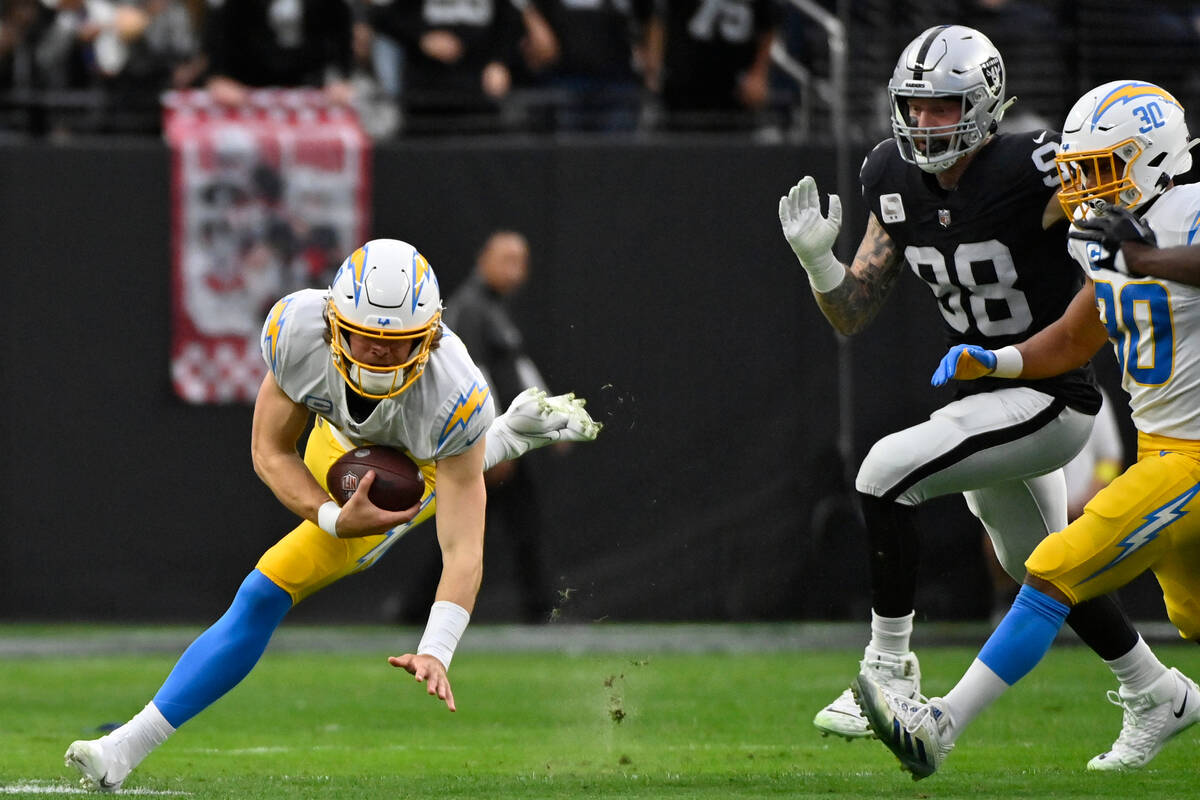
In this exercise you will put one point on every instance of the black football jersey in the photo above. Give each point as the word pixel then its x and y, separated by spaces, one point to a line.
pixel 998 277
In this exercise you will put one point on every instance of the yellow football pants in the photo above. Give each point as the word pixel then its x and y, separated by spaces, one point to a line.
pixel 308 558
pixel 1147 518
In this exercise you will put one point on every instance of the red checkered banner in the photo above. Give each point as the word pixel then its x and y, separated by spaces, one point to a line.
pixel 266 199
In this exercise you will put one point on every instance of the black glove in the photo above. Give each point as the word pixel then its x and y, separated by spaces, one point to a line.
pixel 1115 225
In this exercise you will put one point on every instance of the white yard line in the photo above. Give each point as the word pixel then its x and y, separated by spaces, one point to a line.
pixel 43 787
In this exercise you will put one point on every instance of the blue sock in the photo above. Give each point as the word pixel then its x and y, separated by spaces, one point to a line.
pixel 226 652
pixel 1024 635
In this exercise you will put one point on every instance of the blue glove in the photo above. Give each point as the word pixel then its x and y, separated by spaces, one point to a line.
pixel 964 362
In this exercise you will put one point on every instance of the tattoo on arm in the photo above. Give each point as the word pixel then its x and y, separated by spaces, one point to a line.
pixel 858 298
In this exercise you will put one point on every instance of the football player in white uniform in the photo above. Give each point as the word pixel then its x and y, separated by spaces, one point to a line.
pixel 972 212
pixel 1135 236
pixel 372 360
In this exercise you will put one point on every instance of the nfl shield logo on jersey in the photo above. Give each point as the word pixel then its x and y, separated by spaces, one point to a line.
pixel 944 217
pixel 891 208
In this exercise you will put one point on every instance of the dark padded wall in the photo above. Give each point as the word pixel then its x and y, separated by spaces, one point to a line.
pixel 662 291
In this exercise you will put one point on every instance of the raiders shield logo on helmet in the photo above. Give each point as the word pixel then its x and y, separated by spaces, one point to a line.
pixel 993 74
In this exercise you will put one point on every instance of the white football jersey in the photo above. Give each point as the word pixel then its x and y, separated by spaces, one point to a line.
pixel 1154 324
pixel 442 414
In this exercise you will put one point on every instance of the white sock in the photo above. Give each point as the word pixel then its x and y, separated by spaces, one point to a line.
pixel 1138 669
pixel 977 689
pixel 142 734
pixel 891 634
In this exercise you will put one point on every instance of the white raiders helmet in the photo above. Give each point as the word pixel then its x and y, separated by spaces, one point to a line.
pixel 947 61
pixel 385 291
pixel 1122 143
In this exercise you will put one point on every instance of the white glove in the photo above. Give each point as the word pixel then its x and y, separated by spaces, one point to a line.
pixel 811 234
pixel 534 420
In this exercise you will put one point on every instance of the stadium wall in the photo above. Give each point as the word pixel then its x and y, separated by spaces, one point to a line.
pixel 662 291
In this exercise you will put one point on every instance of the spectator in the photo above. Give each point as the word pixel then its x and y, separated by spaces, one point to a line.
pixel 377 76
pixel 163 53
pixel 458 57
pixel 21 26
pixel 289 43
pixel 478 313
pixel 592 54
pixel 20 23
pixel 85 47
pixel 78 45
pixel 709 60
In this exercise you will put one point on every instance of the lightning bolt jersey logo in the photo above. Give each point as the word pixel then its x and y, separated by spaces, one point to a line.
pixel 465 409
pixel 1149 530
pixel 271 331
pixel 1127 93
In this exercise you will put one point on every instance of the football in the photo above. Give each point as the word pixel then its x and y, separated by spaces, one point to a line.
pixel 398 481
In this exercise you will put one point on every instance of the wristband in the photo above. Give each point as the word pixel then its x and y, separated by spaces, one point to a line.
pixel 447 621
pixel 825 272
pixel 1008 362
pixel 327 517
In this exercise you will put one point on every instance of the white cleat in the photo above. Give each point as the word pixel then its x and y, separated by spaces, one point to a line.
pixel 1151 718
pixel 912 729
pixel 577 424
pixel 102 765
pixel 534 420
pixel 900 674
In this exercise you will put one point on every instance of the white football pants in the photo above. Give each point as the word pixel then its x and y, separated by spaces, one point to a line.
pixel 1002 450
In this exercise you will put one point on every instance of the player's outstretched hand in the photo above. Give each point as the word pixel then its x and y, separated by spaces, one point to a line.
pixel 1111 228
pixel 964 362
pixel 810 233
pixel 430 671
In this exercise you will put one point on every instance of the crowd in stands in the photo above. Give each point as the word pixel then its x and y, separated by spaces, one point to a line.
pixel 414 67
pixel 409 66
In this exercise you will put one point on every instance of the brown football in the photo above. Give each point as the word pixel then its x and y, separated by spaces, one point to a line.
pixel 398 481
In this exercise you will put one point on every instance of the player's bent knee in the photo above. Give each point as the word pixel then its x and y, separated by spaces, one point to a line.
pixel 1048 559
pixel 890 463
pixel 1047 565
pixel 877 474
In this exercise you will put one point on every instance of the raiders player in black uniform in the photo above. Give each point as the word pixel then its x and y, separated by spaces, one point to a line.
pixel 973 213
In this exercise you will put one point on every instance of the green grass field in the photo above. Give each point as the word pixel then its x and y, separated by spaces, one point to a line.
pixel 555 725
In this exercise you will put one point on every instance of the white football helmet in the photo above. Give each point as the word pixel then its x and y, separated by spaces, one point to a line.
pixel 947 61
pixel 384 291
pixel 1122 143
